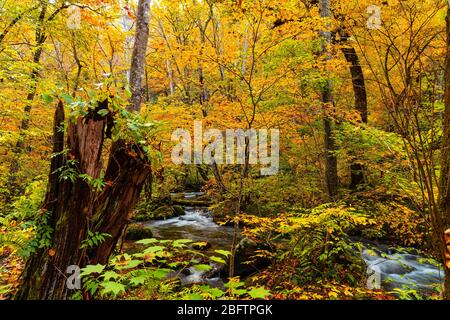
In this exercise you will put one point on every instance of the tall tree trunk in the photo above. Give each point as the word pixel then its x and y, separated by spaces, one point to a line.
pixel 25 124
pixel 441 220
pixel 74 206
pixel 359 89
pixel 331 176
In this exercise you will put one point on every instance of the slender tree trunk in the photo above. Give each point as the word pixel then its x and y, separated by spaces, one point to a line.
pixel 359 89
pixel 74 206
pixel 138 57
pixel 25 124
pixel 331 176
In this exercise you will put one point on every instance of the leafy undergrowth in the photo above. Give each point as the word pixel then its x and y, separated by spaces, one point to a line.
pixel 311 252
pixel 15 247
pixel 395 219
pixel 153 274
pixel 11 266
pixel 287 289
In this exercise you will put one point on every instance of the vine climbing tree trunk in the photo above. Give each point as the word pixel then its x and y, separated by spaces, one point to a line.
pixel 73 207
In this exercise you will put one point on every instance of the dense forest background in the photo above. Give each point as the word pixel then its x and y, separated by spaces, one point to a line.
pixel 91 92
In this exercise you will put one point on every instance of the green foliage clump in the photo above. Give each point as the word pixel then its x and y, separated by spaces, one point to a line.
pixel 153 274
pixel 322 246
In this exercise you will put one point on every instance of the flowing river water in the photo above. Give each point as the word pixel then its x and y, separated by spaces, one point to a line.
pixel 388 268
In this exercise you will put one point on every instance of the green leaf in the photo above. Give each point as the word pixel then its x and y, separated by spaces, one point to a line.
pixel 217 259
pixel 103 112
pixel 225 253
pixel 135 281
pixel 146 241
pixel 259 293
pixel 67 98
pixel 180 243
pixel 133 126
pixel 112 287
pixel 216 292
pixel 128 92
pixel 89 269
pixel 174 264
pixel 202 267
pixel 131 264
pixel 239 292
pixel 233 284
pixel 153 249
pixel 194 296
pixel 108 275
pixel 47 98
pixel 160 273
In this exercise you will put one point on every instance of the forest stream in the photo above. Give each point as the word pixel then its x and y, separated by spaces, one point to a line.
pixel 398 268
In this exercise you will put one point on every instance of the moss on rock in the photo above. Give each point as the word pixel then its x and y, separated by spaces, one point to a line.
pixel 137 232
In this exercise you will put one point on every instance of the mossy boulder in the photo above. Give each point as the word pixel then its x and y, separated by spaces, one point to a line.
pixel 246 263
pixel 138 232
pixel 191 203
pixel 161 213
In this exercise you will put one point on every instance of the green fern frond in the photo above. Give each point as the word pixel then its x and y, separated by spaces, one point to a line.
pixel 14 240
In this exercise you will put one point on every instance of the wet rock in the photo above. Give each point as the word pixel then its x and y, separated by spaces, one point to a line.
pixel 138 232
pixel 161 213
pixel 245 261
pixel 394 267
pixel 185 272
pixel 178 211
pixel 190 202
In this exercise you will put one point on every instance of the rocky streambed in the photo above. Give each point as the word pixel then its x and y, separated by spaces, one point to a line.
pixel 388 268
